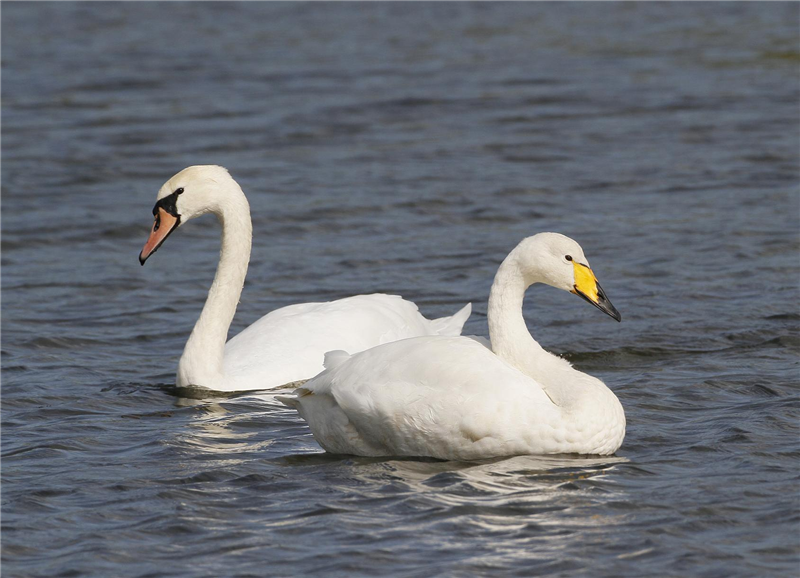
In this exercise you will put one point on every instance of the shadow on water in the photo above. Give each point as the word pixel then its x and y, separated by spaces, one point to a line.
pixel 425 466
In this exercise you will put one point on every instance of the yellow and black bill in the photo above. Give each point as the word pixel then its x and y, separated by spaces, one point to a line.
pixel 587 287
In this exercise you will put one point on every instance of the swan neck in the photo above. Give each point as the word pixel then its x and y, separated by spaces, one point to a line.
pixel 508 333
pixel 510 338
pixel 580 397
pixel 202 360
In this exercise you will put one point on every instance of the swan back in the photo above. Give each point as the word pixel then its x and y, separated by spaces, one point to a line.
pixel 451 398
pixel 437 395
pixel 288 345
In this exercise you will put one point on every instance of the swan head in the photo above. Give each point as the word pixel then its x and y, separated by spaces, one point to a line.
pixel 192 192
pixel 558 261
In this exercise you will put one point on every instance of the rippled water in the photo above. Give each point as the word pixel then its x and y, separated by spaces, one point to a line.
pixel 401 148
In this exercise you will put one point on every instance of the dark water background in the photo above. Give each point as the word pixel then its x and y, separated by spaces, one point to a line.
pixel 406 149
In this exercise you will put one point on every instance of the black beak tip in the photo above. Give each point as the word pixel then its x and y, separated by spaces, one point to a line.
pixel 602 303
pixel 606 307
pixel 142 259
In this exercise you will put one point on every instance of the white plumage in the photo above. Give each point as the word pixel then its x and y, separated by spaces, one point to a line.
pixel 453 398
pixel 288 344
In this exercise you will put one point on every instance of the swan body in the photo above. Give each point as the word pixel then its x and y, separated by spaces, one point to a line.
pixel 454 398
pixel 288 344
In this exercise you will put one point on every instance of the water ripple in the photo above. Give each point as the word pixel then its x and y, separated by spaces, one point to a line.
pixel 401 149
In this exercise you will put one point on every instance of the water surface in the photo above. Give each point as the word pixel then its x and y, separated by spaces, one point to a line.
pixel 404 149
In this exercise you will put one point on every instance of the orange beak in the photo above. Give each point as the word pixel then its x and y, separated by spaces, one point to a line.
pixel 163 225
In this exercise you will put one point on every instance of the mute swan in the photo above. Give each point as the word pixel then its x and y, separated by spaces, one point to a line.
pixel 288 344
pixel 453 398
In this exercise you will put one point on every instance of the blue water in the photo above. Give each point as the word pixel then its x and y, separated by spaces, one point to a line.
pixel 402 148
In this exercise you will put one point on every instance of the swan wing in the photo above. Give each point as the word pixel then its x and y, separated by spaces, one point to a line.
pixel 445 397
pixel 289 344
pixel 454 324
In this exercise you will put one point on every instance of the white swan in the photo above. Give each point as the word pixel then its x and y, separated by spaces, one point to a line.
pixel 453 398
pixel 288 344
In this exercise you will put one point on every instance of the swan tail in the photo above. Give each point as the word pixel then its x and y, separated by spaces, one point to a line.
pixel 288 400
pixel 452 325
pixel 293 400
pixel 335 358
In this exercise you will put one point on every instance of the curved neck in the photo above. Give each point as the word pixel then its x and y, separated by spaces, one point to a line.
pixel 201 362
pixel 510 338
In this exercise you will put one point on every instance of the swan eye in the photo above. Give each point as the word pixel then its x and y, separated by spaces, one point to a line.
pixel 179 191
pixel 568 257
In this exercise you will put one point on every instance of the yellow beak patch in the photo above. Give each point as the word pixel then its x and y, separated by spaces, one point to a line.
pixel 586 286
pixel 585 281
